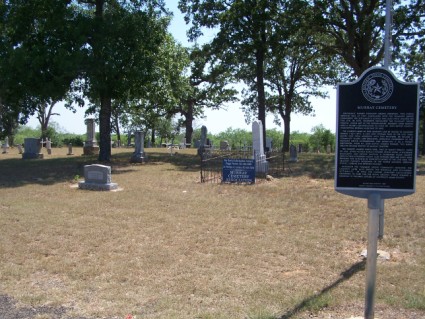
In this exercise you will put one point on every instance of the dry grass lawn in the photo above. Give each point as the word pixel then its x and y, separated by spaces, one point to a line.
pixel 167 246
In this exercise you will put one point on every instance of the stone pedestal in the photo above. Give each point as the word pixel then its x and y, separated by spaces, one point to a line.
pixel 90 145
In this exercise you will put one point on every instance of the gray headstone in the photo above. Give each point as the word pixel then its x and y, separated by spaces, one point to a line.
pixel 90 145
pixel 293 154
pixel 5 146
pixel 204 133
pixel 269 144
pixel 224 146
pixel 32 148
pixel 139 152
pixel 97 177
pixel 69 149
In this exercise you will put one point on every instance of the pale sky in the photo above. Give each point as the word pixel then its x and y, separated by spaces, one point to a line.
pixel 215 121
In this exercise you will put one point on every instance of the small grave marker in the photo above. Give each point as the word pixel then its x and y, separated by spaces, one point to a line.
pixel 97 177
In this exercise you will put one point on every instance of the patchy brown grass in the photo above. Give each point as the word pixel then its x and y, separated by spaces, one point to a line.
pixel 166 246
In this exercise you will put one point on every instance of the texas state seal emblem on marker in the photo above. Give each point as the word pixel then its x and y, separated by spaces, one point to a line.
pixel 377 87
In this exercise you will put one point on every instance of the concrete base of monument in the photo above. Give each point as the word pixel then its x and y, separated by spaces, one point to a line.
pixel 32 155
pixel 91 150
pixel 98 186
pixel 138 158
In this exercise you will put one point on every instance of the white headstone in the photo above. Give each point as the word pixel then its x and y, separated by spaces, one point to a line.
pixel 258 147
pixel 49 146
pixel 257 138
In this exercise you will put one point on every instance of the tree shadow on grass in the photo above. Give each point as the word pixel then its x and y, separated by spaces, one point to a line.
pixel 17 172
pixel 306 303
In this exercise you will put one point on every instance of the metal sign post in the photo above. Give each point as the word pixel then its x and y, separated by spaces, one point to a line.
pixel 377 134
pixel 374 205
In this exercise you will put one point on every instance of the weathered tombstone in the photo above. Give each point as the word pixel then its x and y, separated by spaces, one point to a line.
pixel 70 149
pixel 269 144
pixel 90 145
pixel 202 144
pixel 204 133
pixel 258 147
pixel 19 148
pixel 49 146
pixel 5 146
pixel 97 177
pixel 224 146
pixel 293 154
pixel 32 148
pixel 139 152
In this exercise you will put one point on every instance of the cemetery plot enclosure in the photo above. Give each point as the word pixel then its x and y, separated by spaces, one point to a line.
pixel 212 163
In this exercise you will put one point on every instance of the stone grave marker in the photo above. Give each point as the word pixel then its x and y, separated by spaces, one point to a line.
pixel 97 177
pixel 70 149
pixel 269 144
pixel 49 146
pixel 90 145
pixel 224 146
pixel 261 165
pixel 293 153
pixel 5 146
pixel 32 148
pixel 139 152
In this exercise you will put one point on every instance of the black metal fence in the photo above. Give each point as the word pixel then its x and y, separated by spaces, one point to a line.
pixel 212 163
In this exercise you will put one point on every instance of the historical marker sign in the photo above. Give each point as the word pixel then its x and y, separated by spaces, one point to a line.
pixel 238 170
pixel 377 129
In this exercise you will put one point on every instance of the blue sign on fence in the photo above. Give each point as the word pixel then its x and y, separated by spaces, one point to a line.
pixel 238 170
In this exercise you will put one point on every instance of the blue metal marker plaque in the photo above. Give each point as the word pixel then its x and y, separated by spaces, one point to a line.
pixel 238 170
pixel 377 129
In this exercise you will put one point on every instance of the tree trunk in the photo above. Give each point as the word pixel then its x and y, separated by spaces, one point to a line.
pixel 423 131
pixel 153 136
pixel 105 128
pixel 117 130
pixel 189 122
pixel 286 132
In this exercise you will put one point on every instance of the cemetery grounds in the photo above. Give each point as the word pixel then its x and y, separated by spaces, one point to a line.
pixel 167 246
